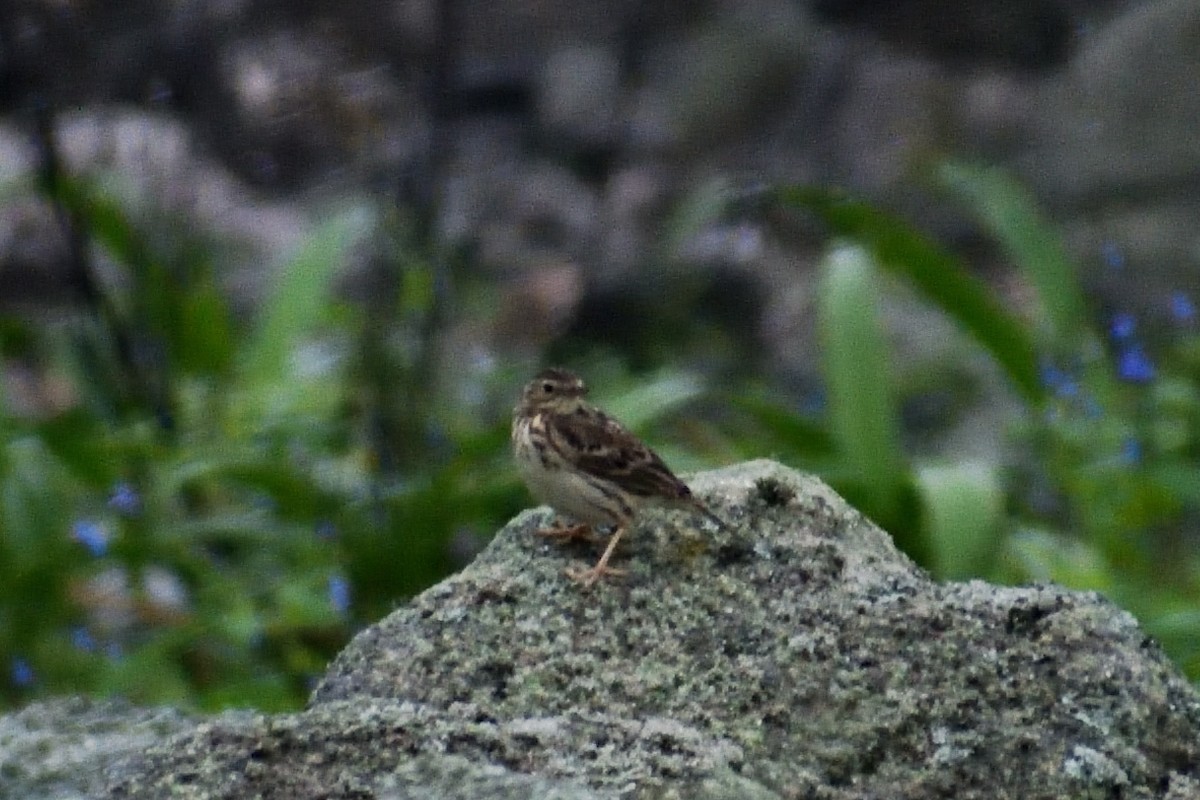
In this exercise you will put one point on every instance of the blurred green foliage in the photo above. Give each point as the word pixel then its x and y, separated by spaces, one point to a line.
pixel 1105 491
pixel 220 503
pixel 205 521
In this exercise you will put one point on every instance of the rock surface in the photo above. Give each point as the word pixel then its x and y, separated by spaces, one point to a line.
pixel 799 656
pixel 65 748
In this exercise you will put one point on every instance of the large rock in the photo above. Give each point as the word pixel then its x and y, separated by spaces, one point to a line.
pixel 67 747
pixel 800 656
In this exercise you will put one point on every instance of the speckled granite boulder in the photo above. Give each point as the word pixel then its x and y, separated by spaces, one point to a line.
pixel 800 656
pixel 68 748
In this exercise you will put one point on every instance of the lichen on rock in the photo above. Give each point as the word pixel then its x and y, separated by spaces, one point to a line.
pixel 797 655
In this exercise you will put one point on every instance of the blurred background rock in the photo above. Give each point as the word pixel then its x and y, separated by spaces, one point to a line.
pixel 561 136
pixel 516 184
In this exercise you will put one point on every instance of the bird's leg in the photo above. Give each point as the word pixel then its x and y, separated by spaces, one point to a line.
pixel 587 577
pixel 568 533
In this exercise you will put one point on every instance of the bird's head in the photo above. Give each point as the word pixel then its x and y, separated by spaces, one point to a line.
pixel 557 390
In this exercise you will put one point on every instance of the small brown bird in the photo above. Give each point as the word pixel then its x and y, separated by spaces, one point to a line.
pixel 588 466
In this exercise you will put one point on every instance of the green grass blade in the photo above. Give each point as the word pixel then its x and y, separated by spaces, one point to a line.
pixel 862 411
pixel 962 517
pixel 302 297
pixel 651 398
pixel 786 433
pixel 108 223
pixel 938 276
pixel 1011 215
pixel 1043 555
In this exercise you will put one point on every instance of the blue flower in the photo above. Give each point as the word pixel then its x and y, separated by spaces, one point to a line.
pixel 91 535
pixel 1131 451
pixel 125 499
pixel 1182 308
pixel 1123 326
pixel 82 639
pixel 1059 381
pixel 22 673
pixel 1052 376
pixel 1112 255
pixel 813 403
pixel 1134 366
pixel 339 594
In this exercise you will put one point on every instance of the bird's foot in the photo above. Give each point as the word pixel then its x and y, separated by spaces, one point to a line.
pixel 588 577
pixel 570 533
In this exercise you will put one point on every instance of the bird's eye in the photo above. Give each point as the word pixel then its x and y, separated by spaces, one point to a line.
pixel 547 387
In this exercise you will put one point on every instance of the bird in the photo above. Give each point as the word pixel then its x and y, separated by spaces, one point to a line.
pixel 588 466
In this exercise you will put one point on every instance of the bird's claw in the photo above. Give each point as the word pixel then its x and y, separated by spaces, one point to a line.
pixel 569 533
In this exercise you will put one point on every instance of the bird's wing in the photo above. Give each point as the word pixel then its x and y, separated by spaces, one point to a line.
pixel 602 446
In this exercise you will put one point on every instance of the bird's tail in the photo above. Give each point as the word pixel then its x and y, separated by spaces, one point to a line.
pixel 720 523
